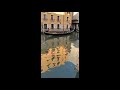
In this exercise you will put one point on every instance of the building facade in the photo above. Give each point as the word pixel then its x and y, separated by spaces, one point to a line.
pixel 75 22
pixel 55 21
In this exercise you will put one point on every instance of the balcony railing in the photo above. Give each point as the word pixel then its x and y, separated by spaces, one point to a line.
pixel 58 20
pixel 52 20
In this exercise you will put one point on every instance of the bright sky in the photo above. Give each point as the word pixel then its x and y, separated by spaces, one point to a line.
pixel 75 13
pixel 63 12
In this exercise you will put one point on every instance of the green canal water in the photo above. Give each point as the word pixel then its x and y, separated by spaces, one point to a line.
pixel 60 56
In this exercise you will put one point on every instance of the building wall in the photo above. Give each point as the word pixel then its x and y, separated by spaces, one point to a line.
pixel 76 16
pixel 63 19
pixel 75 21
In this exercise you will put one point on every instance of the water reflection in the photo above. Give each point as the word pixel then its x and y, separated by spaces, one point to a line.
pixel 56 51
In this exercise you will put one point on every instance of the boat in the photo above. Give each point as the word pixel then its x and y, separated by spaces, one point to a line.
pixel 58 32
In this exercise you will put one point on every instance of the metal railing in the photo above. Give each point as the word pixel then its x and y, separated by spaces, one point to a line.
pixel 52 20
pixel 58 20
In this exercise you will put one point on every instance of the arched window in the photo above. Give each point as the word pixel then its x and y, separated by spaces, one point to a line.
pixel 44 16
pixel 51 17
pixel 67 26
pixel 67 18
pixel 58 18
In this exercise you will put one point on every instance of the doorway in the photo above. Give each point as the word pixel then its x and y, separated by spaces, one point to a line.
pixel 58 27
pixel 45 26
pixel 52 26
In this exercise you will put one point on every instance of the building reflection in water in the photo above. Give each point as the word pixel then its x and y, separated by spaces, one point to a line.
pixel 56 51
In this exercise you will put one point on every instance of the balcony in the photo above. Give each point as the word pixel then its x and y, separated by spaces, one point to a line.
pixel 52 20
pixel 58 20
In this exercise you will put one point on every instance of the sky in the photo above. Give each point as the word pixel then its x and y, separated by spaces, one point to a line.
pixel 75 13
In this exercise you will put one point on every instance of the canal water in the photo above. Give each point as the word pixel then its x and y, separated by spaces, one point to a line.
pixel 60 56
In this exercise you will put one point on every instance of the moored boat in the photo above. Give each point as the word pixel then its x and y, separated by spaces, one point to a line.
pixel 58 32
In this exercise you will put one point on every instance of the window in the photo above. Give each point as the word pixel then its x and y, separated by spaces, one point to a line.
pixel 44 16
pixel 45 26
pixel 51 17
pixel 58 26
pixel 58 18
pixel 67 18
pixel 67 26
pixel 52 26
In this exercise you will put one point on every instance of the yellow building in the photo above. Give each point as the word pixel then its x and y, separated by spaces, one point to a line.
pixel 56 20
